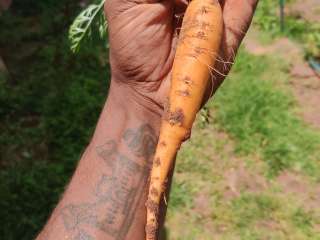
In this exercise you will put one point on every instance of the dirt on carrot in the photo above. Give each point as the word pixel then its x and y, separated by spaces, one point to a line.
pixel 195 57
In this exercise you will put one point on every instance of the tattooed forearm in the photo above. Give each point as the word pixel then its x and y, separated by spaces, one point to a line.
pixel 118 191
pixel 141 142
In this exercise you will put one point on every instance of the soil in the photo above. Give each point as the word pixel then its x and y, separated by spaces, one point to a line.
pixel 269 225
pixel 282 47
pixel 304 81
pixel 306 89
pixel 296 185
pixel 202 203
pixel 306 9
pixel 241 179
pixel 305 86
pixel 176 117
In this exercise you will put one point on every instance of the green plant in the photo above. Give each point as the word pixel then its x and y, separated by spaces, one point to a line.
pixel 181 195
pixel 28 195
pixel 261 117
pixel 49 106
pixel 307 33
pixel 249 208
pixel 88 24
pixel 312 42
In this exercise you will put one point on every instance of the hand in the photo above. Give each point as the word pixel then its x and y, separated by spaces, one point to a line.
pixel 142 45
pixel 143 36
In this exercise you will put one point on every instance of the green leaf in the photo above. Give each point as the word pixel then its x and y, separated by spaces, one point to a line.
pixel 82 27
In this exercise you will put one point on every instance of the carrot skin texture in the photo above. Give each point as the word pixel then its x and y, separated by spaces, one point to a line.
pixel 197 50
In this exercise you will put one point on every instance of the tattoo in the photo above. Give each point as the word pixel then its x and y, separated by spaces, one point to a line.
pixel 82 235
pixel 107 152
pixel 119 190
pixel 119 195
pixel 74 215
pixel 142 141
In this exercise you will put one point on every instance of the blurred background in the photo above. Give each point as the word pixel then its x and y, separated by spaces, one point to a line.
pixel 252 168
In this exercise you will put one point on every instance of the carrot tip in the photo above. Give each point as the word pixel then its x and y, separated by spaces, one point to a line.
pixel 151 230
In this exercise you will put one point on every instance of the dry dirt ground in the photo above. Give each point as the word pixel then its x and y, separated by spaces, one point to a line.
pixel 306 9
pixel 232 198
pixel 220 178
pixel 304 81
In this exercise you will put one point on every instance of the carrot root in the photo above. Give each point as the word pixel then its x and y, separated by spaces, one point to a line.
pixel 197 51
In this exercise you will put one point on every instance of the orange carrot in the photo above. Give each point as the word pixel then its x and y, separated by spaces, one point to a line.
pixel 196 53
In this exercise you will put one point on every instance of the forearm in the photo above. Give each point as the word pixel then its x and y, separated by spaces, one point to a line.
pixel 106 196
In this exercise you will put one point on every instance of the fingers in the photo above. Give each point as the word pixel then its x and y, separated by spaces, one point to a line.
pixel 237 16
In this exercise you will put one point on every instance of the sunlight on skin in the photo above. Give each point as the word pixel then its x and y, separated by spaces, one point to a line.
pixel 142 37
pixel 143 40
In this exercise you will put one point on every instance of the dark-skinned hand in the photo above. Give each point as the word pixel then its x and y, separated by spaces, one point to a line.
pixel 143 35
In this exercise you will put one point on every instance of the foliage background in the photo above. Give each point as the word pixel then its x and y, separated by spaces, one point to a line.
pixel 50 100
pixel 49 105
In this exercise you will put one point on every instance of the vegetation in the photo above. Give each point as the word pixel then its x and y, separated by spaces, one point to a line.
pixel 264 121
pixel 238 193
pixel 49 105
pixel 89 24
pixel 307 33
pixel 233 179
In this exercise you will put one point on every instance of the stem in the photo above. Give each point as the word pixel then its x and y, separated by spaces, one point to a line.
pixel 282 2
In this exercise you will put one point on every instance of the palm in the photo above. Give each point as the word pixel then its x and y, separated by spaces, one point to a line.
pixel 141 47
pixel 142 40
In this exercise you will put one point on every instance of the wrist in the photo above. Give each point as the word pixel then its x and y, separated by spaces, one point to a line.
pixel 125 109
pixel 136 106
pixel 107 194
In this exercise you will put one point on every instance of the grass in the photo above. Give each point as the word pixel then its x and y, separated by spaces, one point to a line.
pixel 49 106
pixel 258 113
pixel 257 110
pixel 29 193
pixel 298 29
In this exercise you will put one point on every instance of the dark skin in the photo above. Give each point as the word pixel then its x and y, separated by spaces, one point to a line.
pixel 105 199
pixel 143 61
